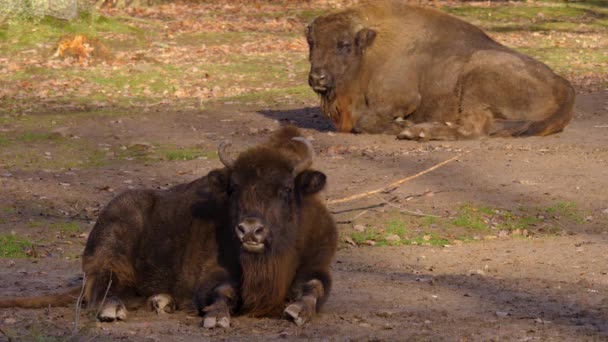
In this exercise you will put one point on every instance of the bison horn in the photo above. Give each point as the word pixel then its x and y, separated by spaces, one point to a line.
pixel 224 157
pixel 307 161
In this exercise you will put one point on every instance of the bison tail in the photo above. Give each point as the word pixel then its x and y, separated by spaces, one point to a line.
pixel 61 299
pixel 553 124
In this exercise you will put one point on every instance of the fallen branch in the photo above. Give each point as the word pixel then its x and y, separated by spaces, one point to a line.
pixel 394 184
pixel 405 211
pixel 104 296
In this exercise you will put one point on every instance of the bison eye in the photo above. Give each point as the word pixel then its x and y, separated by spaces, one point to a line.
pixel 343 46
pixel 285 192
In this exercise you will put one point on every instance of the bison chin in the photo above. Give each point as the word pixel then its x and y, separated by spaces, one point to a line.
pixel 253 247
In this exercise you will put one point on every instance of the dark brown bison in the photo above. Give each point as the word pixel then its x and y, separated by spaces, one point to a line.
pixel 387 67
pixel 251 238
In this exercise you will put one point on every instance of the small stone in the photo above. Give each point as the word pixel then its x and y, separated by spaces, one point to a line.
pixel 359 227
pixel 385 313
pixel 516 232
pixel 10 320
pixel 350 241
pixel 525 232
pixel 502 314
pixel 48 154
pixel 370 242
pixel 605 211
pixel 502 234
pixel 393 238
pixel 426 237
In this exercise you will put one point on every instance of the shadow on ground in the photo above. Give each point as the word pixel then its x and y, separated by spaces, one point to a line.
pixel 307 117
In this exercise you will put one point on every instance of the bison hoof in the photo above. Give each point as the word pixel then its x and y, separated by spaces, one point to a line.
pixel 213 322
pixel 413 134
pixel 113 310
pixel 300 312
pixel 161 303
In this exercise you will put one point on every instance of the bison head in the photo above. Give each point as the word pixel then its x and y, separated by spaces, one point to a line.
pixel 336 44
pixel 265 189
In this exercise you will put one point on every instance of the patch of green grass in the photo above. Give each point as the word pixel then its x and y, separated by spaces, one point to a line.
pixel 519 13
pixel 469 217
pixel 66 227
pixel 21 34
pixel 512 222
pixel 564 59
pixel 568 210
pixel 430 239
pixel 13 246
pixel 368 235
pixel 182 154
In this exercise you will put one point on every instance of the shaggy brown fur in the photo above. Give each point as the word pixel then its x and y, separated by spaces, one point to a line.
pixel 184 242
pixel 388 67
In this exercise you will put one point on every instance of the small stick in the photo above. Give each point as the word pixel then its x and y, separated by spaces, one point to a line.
pixel 104 295
pixel 394 184
pixel 78 303
pixel 414 213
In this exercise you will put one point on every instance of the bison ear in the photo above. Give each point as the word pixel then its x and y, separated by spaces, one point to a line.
pixel 310 182
pixel 364 38
pixel 218 181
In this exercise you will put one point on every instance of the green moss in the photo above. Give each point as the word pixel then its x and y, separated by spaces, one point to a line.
pixel 13 246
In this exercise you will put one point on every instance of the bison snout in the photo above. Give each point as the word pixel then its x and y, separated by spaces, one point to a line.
pixel 319 80
pixel 252 234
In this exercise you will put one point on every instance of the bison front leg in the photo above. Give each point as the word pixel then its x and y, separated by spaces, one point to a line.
pixel 218 305
pixel 312 293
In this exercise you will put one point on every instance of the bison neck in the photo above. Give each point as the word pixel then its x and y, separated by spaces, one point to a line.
pixel 265 283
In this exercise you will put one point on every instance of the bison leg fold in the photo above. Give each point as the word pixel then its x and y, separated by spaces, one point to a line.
pixel 302 310
pixel 113 309
pixel 429 131
pixel 161 303
pixel 218 313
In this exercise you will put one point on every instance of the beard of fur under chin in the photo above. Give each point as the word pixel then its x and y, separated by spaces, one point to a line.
pixel 328 104
pixel 266 279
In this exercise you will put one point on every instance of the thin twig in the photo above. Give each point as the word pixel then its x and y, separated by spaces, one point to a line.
pixel 78 304
pixel 354 217
pixel 406 211
pixel 104 295
pixel 394 184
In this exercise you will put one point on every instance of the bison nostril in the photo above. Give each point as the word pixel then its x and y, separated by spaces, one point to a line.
pixel 241 230
pixel 259 230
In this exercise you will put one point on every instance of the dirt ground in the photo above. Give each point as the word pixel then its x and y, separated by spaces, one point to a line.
pixel 545 287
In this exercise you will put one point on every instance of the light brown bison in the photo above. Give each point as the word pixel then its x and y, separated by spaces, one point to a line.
pixel 387 67
pixel 250 238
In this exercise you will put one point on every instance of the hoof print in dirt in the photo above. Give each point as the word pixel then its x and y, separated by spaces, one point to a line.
pixel 113 310
pixel 161 303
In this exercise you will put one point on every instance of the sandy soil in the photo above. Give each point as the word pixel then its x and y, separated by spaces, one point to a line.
pixel 545 287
